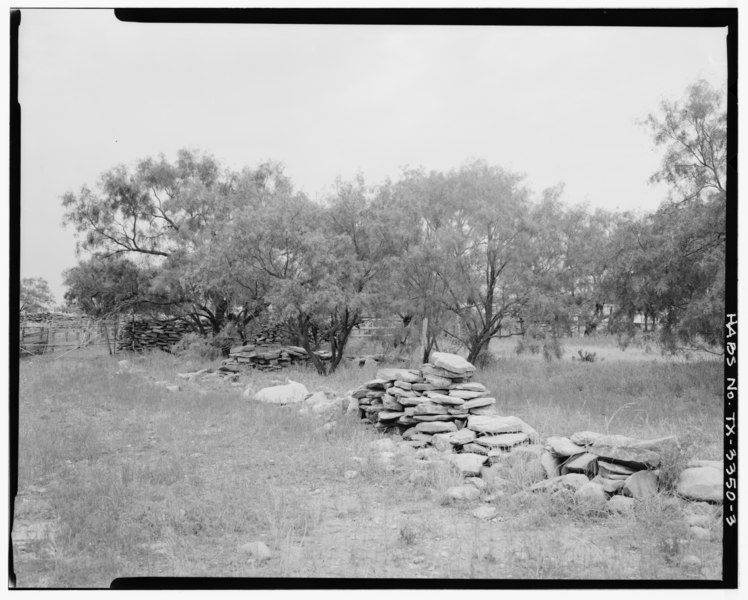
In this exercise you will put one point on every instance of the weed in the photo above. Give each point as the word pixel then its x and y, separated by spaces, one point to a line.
pixel 674 459
pixel 552 349
pixel 408 535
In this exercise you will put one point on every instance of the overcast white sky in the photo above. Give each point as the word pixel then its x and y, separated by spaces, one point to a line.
pixel 557 104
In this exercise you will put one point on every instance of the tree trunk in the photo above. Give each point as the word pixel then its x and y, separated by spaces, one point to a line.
pixel 222 307
pixel 302 331
pixel 429 340
pixel 476 349
pixel 338 345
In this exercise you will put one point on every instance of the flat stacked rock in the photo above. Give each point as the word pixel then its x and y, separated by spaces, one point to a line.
pixel 269 358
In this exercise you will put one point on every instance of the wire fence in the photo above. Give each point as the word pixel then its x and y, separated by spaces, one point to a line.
pixel 52 338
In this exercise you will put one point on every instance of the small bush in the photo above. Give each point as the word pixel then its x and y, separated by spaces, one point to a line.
pixel 674 460
pixel 527 346
pixel 197 347
pixel 408 535
pixel 585 356
pixel 552 348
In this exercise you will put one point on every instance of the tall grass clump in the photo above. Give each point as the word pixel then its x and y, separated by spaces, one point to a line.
pixel 631 398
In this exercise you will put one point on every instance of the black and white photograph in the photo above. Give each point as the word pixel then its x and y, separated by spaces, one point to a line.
pixel 438 297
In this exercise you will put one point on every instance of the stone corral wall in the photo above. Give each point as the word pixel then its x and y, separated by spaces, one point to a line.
pixel 143 335
pixel 257 332
pixel 268 358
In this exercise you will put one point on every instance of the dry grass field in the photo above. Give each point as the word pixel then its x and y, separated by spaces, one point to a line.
pixel 119 477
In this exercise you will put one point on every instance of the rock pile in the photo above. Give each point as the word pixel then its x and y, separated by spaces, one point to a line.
pixel 439 405
pixel 597 467
pixel 269 358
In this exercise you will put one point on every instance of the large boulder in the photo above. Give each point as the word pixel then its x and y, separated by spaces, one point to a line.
pixel 562 446
pixel 497 424
pixel 422 418
pixel 582 463
pixel 478 403
pixel 451 362
pixel 657 445
pixel 436 427
pixel 485 512
pixel 445 399
pixel 467 463
pixel 429 408
pixel 551 464
pixel 465 492
pixel 462 437
pixel 429 369
pixel 621 505
pixel 701 483
pixel 389 415
pixel 437 381
pixel 473 447
pixel 584 438
pixel 613 471
pixel 376 384
pixel 641 484
pixel 636 458
pixel 399 375
pixel 258 550
pixel 591 494
pixel 291 393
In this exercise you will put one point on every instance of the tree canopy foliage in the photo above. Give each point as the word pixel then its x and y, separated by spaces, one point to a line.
pixel 472 252
pixel 670 264
pixel 35 295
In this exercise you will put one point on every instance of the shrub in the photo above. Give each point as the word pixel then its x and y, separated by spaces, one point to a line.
pixel 527 345
pixel 552 348
pixel 197 347
pixel 673 461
